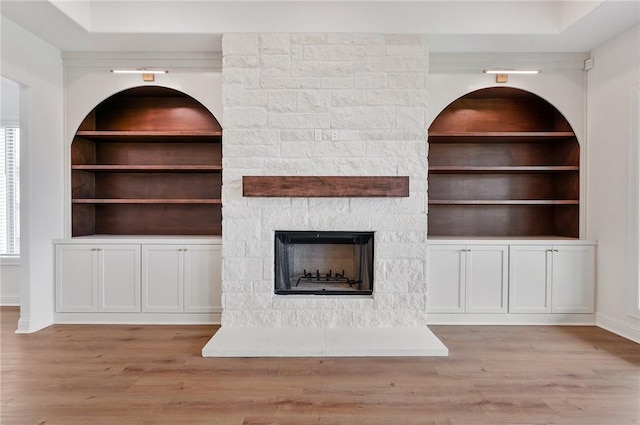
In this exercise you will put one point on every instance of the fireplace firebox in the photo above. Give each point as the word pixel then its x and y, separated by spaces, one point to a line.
pixel 324 263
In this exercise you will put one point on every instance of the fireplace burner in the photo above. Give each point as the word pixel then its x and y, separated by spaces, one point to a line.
pixel 298 253
pixel 328 278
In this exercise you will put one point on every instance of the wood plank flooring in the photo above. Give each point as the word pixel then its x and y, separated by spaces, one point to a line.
pixel 154 375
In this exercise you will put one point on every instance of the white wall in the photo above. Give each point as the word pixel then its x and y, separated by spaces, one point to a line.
pixel 562 81
pixel 37 67
pixel 613 96
pixel 88 80
pixel 9 102
pixel 9 281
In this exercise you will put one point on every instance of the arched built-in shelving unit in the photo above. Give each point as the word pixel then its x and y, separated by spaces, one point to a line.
pixel 503 162
pixel 147 161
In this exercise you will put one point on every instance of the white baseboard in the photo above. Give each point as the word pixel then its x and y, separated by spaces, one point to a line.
pixel 574 319
pixel 138 318
pixel 26 327
pixel 614 325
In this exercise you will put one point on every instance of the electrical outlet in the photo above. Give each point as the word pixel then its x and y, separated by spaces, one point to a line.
pixel 335 135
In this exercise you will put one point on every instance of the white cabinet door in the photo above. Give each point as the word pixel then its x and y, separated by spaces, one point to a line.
pixel 486 278
pixel 203 278
pixel 467 279
pixel 445 290
pixel 179 278
pixel 530 279
pixel 552 279
pixel 125 278
pixel 76 278
pixel 97 278
pixel 119 278
pixel 573 279
pixel 162 278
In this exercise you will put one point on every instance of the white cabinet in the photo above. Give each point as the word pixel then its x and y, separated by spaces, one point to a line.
pixel 552 279
pixel 157 280
pixel 97 278
pixel 467 279
pixel 181 278
pixel 497 281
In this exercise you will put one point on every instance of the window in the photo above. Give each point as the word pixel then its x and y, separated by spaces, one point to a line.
pixel 9 168
pixel 9 190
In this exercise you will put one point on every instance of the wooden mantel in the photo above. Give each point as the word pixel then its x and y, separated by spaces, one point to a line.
pixel 325 186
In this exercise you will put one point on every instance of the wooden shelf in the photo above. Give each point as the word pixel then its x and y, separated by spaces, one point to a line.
pixel 503 162
pixel 503 202
pixel 499 136
pixel 147 161
pixel 454 169
pixel 325 186
pixel 150 136
pixel 134 133
pixel 145 201
pixel 146 168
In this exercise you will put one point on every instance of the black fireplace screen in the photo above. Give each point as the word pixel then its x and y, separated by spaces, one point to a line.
pixel 324 263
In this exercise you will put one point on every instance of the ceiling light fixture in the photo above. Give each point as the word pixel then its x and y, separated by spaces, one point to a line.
pixel 148 75
pixel 511 71
pixel 502 75
pixel 140 71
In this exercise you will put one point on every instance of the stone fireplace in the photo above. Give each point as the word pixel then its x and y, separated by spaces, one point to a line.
pixel 317 104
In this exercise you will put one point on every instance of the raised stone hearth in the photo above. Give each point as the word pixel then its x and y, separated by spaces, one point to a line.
pixel 324 342
pixel 279 92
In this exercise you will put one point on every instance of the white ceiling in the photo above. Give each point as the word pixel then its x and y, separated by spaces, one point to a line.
pixel 197 25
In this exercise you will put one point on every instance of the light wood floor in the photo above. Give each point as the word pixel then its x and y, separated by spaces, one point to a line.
pixel 93 375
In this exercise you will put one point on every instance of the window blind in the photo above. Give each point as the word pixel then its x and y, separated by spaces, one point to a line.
pixel 9 190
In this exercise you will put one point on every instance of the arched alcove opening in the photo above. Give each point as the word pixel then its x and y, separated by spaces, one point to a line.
pixel 503 162
pixel 147 161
